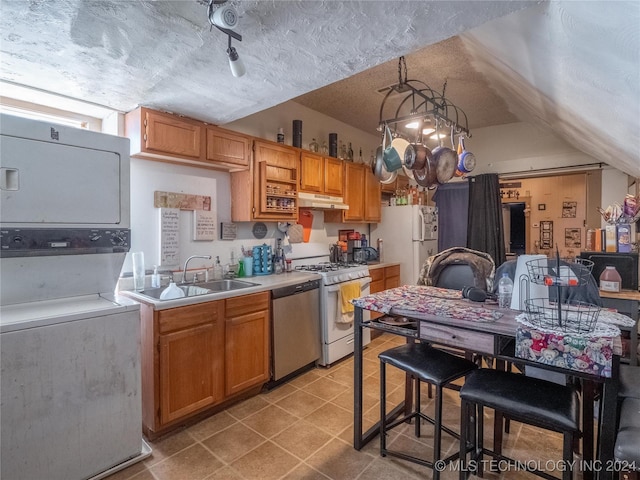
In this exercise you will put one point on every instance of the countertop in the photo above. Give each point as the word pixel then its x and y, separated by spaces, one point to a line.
pixel 374 265
pixel 263 283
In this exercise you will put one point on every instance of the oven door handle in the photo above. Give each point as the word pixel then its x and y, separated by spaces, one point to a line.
pixel 364 283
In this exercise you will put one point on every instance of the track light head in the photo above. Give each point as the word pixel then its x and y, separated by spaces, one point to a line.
pixel 235 64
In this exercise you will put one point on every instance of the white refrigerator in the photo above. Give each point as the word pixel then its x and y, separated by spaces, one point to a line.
pixel 410 236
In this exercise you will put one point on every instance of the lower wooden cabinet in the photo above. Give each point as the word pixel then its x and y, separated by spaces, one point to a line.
pixel 246 342
pixel 188 371
pixel 198 356
pixel 383 278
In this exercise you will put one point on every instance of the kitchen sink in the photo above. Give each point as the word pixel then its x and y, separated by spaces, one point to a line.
pixel 225 285
pixel 215 286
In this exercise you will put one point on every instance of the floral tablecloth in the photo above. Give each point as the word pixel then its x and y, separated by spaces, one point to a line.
pixel 420 299
pixel 583 352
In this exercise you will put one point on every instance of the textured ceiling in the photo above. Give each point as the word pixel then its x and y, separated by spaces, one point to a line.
pixel 571 66
pixel 356 101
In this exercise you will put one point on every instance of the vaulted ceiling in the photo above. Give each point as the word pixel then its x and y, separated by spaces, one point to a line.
pixel 570 66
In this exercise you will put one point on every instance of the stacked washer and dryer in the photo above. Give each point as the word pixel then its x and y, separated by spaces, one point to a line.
pixel 70 405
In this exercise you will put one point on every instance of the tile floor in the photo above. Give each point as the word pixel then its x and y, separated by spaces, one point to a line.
pixel 303 430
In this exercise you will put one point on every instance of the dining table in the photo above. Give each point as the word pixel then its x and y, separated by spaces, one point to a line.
pixel 482 329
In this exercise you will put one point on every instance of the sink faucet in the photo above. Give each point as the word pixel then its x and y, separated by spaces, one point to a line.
pixel 184 270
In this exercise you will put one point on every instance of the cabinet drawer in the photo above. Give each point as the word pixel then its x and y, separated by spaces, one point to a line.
pixel 237 306
pixel 184 317
pixel 376 274
pixel 393 271
pixel 377 286
pixel 458 338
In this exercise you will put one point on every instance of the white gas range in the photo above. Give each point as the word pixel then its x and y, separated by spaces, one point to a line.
pixel 337 330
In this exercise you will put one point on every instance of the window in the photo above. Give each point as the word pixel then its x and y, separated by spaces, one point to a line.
pixel 28 102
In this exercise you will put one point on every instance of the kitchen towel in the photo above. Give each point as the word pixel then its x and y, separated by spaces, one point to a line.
pixel 348 291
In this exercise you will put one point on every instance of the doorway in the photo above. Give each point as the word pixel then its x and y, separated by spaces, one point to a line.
pixel 515 219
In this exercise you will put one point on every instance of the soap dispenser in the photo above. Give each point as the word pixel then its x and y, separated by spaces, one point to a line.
pixel 155 278
pixel 217 269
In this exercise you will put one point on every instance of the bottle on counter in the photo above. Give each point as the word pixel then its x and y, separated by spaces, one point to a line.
pixel 155 278
pixel 610 279
pixel 363 241
pixel 217 270
pixel 380 250
pixel 505 290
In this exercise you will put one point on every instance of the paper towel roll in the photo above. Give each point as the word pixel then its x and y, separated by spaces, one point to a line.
pixel 535 290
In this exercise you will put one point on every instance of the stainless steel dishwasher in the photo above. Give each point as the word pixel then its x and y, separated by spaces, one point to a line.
pixel 295 327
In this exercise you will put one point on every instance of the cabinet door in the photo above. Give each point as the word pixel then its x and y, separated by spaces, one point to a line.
pixel 372 198
pixel 246 351
pixel 187 372
pixel 333 176
pixel 311 173
pixel 164 133
pixel 354 194
pixel 227 147
pixel 391 277
pixel 275 186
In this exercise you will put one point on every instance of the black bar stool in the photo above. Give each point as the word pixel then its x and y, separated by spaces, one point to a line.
pixel 424 364
pixel 525 399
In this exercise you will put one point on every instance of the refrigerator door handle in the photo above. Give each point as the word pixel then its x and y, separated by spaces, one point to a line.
pixel 422 224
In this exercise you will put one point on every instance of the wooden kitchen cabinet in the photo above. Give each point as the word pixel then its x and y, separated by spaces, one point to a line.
pixel 269 190
pixel 361 193
pixel 157 134
pixel 323 175
pixel 246 342
pixel 182 362
pixel 383 278
pixel 199 357
pixel 229 148
pixel 172 138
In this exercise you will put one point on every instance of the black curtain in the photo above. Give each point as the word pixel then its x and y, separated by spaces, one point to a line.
pixel 484 228
pixel 452 200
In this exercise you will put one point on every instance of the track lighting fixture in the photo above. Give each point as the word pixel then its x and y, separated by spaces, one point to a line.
pixel 235 64
pixel 224 18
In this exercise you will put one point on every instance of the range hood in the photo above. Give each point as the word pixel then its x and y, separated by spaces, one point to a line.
pixel 321 202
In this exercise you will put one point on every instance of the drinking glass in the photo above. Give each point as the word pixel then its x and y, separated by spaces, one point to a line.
pixel 138 271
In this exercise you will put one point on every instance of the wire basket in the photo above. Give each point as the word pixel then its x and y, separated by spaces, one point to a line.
pixel 551 272
pixel 570 317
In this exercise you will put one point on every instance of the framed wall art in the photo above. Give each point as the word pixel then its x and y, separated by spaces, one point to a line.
pixel 569 209
pixel 573 237
pixel 546 234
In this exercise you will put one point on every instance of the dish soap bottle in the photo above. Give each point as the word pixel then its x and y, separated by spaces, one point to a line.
pixel 217 269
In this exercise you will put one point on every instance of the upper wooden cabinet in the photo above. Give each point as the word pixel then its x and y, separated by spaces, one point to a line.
pixel 269 189
pixel 321 174
pixel 168 137
pixel 361 193
pixel 228 148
